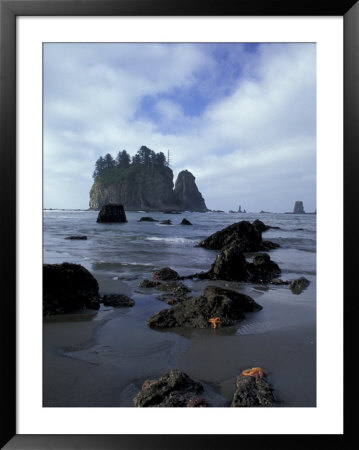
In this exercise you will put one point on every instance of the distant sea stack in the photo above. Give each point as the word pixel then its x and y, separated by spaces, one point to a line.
pixel 187 193
pixel 298 208
pixel 143 183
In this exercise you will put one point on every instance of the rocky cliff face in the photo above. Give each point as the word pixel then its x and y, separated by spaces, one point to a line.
pixel 187 193
pixel 146 188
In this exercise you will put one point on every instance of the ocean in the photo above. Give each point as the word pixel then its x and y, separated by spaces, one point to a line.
pixel 134 249
pixel 123 351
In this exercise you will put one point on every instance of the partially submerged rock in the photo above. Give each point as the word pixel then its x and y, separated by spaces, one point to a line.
pixel 246 236
pixel 173 389
pixel 80 238
pixel 251 391
pixel 166 222
pixel 165 274
pixel 112 212
pixel 185 222
pixel 68 287
pixel 262 269
pixel 231 265
pixel 147 219
pixel 117 300
pixel 260 226
pixel 298 285
pixel 226 304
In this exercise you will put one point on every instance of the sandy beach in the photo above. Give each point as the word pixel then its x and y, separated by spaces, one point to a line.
pixel 102 358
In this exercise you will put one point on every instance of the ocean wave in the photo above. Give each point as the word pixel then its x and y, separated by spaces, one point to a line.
pixel 172 240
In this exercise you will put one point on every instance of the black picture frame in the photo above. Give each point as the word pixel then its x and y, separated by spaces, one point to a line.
pixel 9 10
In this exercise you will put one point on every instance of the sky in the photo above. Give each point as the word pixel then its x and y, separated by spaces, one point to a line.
pixel 240 117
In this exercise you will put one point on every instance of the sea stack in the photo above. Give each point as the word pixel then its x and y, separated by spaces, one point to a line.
pixel 187 193
pixel 298 208
pixel 112 212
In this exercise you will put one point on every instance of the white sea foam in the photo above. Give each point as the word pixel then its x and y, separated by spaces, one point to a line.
pixel 176 240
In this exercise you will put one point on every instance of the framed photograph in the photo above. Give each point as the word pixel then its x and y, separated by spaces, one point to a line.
pixel 175 180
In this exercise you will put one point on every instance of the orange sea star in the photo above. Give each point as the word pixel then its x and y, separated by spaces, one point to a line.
pixel 255 372
pixel 215 321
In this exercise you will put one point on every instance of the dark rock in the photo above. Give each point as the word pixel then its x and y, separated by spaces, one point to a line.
pixel 260 226
pixel 262 270
pixel 81 238
pixel 171 299
pixel 149 283
pixel 298 208
pixel 263 227
pixel 187 193
pixel 171 212
pixel 269 245
pixel 111 212
pixel 147 219
pixel 278 281
pixel 297 286
pixel 165 274
pixel 226 304
pixel 229 265
pixel 173 287
pixel 166 222
pixel 68 287
pixel 245 235
pixel 185 222
pixel 117 300
pixel 174 389
pixel 176 292
pixel 197 402
pixel 253 392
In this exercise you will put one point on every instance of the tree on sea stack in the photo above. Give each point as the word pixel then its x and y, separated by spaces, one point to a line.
pixel 112 212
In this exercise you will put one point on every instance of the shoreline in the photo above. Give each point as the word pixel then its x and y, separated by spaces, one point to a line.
pixel 101 358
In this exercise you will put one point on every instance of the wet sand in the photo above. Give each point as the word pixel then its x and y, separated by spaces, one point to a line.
pixel 102 359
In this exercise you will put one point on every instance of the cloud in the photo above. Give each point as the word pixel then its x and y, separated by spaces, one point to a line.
pixel 241 117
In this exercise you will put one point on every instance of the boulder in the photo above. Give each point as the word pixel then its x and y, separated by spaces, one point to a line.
pixel 260 226
pixel 245 235
pixel 166 222
pixel 68 287
pixel 263 227
pixel 298 285
pixel 112 212
pixel 117 300
pixel 185 222
pixel 229 265
pixel 149 283
pixel 165 274
pixel 253 392
pixel 226 304
pixel 176 292
pixel 173 389
pixel 81 238
pixel 262 269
